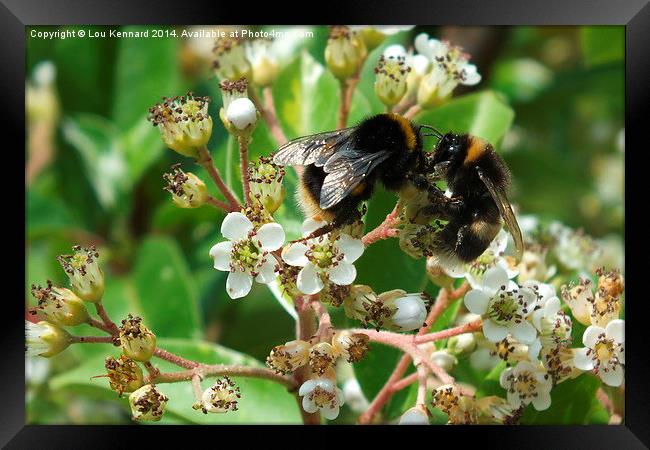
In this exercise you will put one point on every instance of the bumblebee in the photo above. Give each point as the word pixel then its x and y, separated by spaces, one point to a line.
pixel 342 168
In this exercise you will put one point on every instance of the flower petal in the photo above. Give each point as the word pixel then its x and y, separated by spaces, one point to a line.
pixel 235 226
pixel 266 273
pixel 352 248
pixel 342 274
pixel 504 377
pixel 590 337
pixel 306 387
pixel 308 405
pixel 330 413
pixel 581 360
pixel 613 377
pixel 533 349
pixel 309 281
pixel 494 278
pixel 616 330
pixel 551 307
pixel 524 332
pixel 221 254
pixel 294 254
pixel 238 284
pixel 494 332
pixel 542 401
pixel 311 225
pixel 271 236
pixel 537 318
pixel 477 301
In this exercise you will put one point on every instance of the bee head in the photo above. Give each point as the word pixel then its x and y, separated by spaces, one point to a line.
pixel 449 154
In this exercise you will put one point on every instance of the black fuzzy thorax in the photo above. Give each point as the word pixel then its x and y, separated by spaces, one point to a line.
pixel 384 133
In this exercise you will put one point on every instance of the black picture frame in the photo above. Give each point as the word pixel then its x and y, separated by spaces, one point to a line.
pixel 15 15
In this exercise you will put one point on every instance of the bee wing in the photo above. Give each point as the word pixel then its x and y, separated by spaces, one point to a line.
pixel 345 170
pixel 505 209
pixel 313 149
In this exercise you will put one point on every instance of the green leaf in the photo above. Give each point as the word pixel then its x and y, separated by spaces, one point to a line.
pixel 482 114
pixel 491 385
pixel 573 402
pixel 145 70
pixel 95 139
pixel 262 401
pixel 306 97
pixel 142 147
pixel 603 44
pixel 46 214
pixel 164 287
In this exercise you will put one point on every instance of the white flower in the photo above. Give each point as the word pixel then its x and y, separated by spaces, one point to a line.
pixel 83 270
pixel 573 248
pixel 444 359
pixel 221 397
pixel 553 325
pixel 261 54
pixel 450 67
pixel 395 51
pixel 411 312
pixel 526 383
pixel 321 394
pixel 483 359
pixel 580 298
pixel 504 307
pixel 604 352
pixel 415 416
pixel 246 254
pixel 493 256
pixel 323 259
pixel 45 339
pixel 241 113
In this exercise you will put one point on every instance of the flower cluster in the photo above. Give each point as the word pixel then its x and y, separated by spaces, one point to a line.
pixel 319 392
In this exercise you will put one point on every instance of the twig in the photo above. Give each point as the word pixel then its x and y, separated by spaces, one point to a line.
pixel 422 385
pixel 405 382
pixel 444 334
pixel 101 312
pixel 218 203
pixel 412 111
pixel 385 229
pixel 386 392
pixel 305 329
pixel 91 340
pixel 175 359
pixel 205 160
pixel 243 159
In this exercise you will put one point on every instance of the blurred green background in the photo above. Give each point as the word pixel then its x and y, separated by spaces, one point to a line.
pixel 551 100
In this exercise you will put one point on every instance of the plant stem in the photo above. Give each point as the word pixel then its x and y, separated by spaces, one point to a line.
pixel 412 111
pixel 243 159
pixel 305 329
pixel 175 359
pixel 101 312
pixel 386 392
pixel 218 203
pixel 385 229
pixel 444 334
pixel 205 160
pixel 91 340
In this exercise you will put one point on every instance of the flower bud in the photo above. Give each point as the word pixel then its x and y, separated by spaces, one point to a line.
pixel 147 404
pixel 124 374
pixel 410 310
pixel 45 339
pixel 364 305
pixel 390 80
pixel 184 123
pixel 350 346
pixel 242 114
pixel 266 184
pixel 221 397
pixel 418 415
pixel 230 59
pixel 462 344
pixel 444 359
pixel 85 275
pixel 286 358
pixel 137 341
pixel 60 305
pixel 188 190
pixel 321 357
pixel 321 394
pixel 344 53
pixel 264 63
pixel 419 67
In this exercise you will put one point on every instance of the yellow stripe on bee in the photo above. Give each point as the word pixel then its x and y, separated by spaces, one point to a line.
pixel 475 148
pixel 407 129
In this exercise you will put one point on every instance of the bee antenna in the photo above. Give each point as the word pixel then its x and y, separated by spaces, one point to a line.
pixel 436 133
